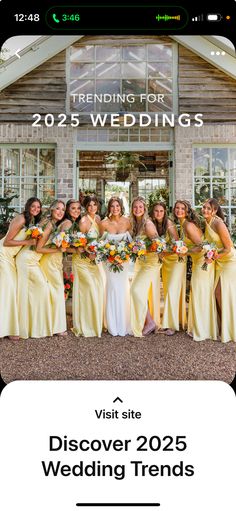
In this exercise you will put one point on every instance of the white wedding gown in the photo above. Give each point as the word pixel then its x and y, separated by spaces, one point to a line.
pixel 118 294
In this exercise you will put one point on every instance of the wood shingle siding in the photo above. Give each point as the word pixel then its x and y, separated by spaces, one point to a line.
pixel 42 91
pixel 204 88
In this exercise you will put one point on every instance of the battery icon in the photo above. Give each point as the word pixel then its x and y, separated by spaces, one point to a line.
pixel 213 17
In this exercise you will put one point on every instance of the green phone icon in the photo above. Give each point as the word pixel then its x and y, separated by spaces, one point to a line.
pixel 55 18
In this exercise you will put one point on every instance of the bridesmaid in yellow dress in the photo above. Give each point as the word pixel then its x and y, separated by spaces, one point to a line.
pixel 202 319
pixel 145 288
pixel 173 273
pixel 51 264
pixel 88 295
pixel 225 263
pixel 9 247
pixel 33 295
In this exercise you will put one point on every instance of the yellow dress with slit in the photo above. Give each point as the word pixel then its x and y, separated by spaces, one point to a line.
pixel 202 316
pixel 52 267
pixel 33 296
pixel 88 293
pixel 226 273
pixel 145 292
pixel 174 288
pixel 9 324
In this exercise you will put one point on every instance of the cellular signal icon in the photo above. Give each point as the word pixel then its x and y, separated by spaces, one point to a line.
pixel 198 18
pixel 166 17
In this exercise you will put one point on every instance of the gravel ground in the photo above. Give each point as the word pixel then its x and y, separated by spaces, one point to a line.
pixel 156 356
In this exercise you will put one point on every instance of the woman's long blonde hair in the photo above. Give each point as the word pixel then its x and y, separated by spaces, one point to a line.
pixel 137 228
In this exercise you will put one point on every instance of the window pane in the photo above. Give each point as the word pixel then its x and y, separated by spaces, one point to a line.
pixel 108 87
pixel 85 53
pixel 135 106
pixel 219 162
pixel 134 53
pixel 159 70
pixel 134 70
pixel 29 162
pixel 107 70
pixel 159 52
pixel 201 161
pixel 11 162
pixel 28 189
pixel 220 191
pixel 108 107
pixel 108 53
pixel 202 190
pixel 46 191
pixel 146 186
pixel 82 71
pixel 11 186
pixel 82 87
pixel 160 86
pixel 47 162
pixel 133 86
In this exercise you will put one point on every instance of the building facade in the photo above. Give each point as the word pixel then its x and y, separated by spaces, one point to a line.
pixel 49 148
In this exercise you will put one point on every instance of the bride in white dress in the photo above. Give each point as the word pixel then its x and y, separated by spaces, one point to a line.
pixel 115 227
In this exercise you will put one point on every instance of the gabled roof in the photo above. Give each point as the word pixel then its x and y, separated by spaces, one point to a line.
pixel 206 48
pixel 47 47
pixel 33 56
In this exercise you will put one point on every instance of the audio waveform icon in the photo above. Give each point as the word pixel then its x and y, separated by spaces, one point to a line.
pixel 166 17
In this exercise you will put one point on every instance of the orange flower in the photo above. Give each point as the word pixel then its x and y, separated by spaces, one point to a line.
pixel 153 246
pixel 35 233
pixel 64 244
pixel 111 259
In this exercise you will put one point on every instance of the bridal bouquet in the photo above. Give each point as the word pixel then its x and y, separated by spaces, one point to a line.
pixel 210 251
pixel 137 249
pixel 179 248
pixel 156 245
pixel 34 231
pixel 61 239
pixel 91 248
pixel 113 254
pixel 78 239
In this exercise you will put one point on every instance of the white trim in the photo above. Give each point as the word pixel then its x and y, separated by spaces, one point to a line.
pixel 33 56
pixel 203 47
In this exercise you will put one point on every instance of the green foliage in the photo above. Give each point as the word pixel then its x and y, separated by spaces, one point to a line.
pixel 124 162
pixel 159 195
pixel 7 213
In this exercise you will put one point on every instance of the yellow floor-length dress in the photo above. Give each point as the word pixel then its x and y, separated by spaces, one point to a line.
pixel 145 292
pixel 88 293
pixel 174 288
pixel 9 324
pixel 33 296
pixel 226 273
pixel 52 267
pixel 202 316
